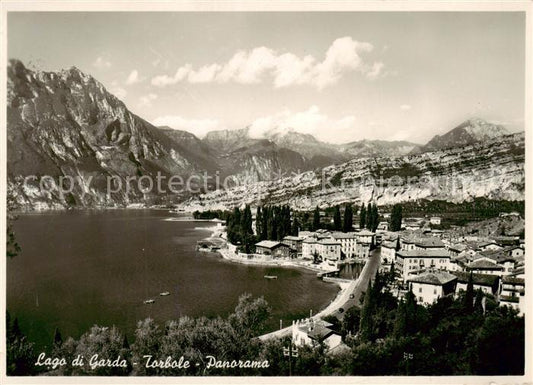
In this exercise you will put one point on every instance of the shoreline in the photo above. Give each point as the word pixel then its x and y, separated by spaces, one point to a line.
pixel 228 254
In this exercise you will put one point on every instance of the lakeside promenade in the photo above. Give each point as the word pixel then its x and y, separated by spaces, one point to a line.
pixel 343 300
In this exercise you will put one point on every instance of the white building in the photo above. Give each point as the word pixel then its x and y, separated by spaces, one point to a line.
pixel 435 220
pixel 388 251
pixel 431 286
pixel 485 266
pixel 488 284
pixel 348 243
pixel 329 248
pixel 413 262
pixel 311 332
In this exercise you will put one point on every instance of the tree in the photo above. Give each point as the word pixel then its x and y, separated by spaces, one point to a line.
pixel 19 351
pixel 365 322
pixel 250 315
pixel 347 225
pixel 374 221
pixel 316 219
pixel 259 223
pixel 12 246
pixel 362 216
pixel 368 222
pixel 396 218
pixel 468 299
pixel 295 226
pixel 337 221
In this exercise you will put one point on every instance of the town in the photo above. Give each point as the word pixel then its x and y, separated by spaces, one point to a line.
pixel 420 256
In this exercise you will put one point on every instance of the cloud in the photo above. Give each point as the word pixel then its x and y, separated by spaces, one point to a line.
pixel 344 55
pixel 164 80
pixel 311 121
pixel 199 127
pixel 101 63
pixel 405 107
pixel 146 101
pixel 133 78
pixel 117 90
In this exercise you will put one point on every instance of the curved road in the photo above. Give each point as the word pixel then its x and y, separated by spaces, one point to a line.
pixel 342 300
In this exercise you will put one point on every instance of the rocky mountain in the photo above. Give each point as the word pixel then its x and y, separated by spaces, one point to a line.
pixel 66 124
pixel 316 153
pixel 469 132
pixel 493 169
pixel 65 127
pixel 371 148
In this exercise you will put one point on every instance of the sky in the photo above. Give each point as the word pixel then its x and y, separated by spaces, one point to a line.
pixel 340 76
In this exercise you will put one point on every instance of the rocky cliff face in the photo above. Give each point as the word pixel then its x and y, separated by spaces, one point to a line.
pixel 66 124
pixel 493 169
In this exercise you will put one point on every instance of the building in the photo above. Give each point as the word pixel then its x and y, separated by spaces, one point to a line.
pixel 329 248
pixel 457 249
pixel 513 287
pixel 513 293
pixel 488 284
pixel 429 243
pixel 407 243
pixel 515 252
pixel 431 286
pixel 485 266
pixel 365 240
pixel 275 249
pixel 435 220
pixel 413 262
pixel 490 245
pixel 309 247
pixel 294 242
pixel 313 332
pixel 383 226
pixel 348 243
pixel 388 251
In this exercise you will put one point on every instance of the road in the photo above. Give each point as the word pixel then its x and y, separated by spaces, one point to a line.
pixel 342 300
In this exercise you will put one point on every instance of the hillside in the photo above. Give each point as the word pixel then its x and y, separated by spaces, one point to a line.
pixel 493 169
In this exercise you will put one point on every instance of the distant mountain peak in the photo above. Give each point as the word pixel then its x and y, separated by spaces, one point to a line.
pixel 470 131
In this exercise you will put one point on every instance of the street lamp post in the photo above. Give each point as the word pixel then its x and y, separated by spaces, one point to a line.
pixel 290 352
pixel 407 357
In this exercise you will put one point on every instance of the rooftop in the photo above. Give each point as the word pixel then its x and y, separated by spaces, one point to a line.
pixel 365 232
pixel 423 253
pixel 292 238
pixel 389 244
pixel 434 278
pixel 429 242
pixel 478 279
pixel 484 265
pixel 513 280
pixel 341 235
pixel 267 244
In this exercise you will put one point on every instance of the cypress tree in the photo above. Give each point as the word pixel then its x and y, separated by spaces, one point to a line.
pixel 365 323
pixel 316 219
pixel 362 216
pixel 347 225
pixel 337 222
pixel 396 218
pixel 259 223
pixel 295 226
pixel 368 216
pixel 264 228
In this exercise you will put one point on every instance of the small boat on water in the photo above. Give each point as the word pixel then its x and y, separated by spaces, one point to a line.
pixel 149 301
pixel 165 293
pixel 271 276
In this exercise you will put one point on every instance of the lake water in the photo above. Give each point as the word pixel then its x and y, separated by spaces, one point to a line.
pixel 81 268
